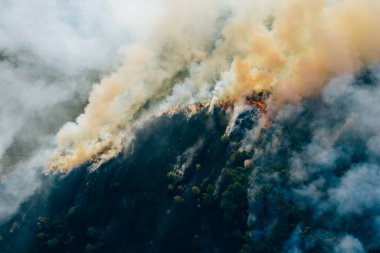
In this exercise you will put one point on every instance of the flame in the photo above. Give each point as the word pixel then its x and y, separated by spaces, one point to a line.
pixel 188 109
pixel 257 104
pixel 262 107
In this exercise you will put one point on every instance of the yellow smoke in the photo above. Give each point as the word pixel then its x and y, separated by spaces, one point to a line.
pixel 212 50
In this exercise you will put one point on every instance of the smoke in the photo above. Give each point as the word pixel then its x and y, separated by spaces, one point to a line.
pixel 50 54
pixel 221 50
pixel 350 245
pixel 320 155
pixel 184 161
pixel 320 161
pixel 20 183
pixel 292 245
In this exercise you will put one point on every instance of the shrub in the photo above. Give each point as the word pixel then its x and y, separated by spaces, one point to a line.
pixel 52 243
pixel 41 236
pixel 14 227
pixel 71 210
pixel 172 176
pixel 195 189
pixel 170 187
pixel 178 199
pixel 224 138
pixel 91 247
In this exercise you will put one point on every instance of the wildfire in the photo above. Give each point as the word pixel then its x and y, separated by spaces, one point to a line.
pixel 255 100
pixel 257 104
pixel 189 109
pixel 107 152
pixel 262 107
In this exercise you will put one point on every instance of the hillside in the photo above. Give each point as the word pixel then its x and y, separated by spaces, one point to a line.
pixel 137 203
pixel 215 182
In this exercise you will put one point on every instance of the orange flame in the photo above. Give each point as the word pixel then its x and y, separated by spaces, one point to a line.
pixel 262 108
pixel 257 104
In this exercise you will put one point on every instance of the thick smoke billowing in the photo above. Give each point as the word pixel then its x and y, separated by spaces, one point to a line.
pixel 315 167
pixel 50 54
pixel 222 50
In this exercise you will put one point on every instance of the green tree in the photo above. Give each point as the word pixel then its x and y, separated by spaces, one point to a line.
pixel 178 199
pixel 195 189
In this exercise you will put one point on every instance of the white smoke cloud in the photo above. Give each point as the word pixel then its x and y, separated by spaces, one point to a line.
pixel 50 54
pixel 20 183
pixel 359 115
pixel 184 161
pixel 358 190
pixel 74 35
pixel 349 244
pixel 329 146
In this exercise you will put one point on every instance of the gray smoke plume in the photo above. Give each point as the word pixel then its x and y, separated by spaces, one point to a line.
pixel 317 170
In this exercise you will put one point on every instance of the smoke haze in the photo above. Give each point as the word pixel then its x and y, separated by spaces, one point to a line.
pixel 50 54
pixel 329 146
pixel 221 50
pixel 77 78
